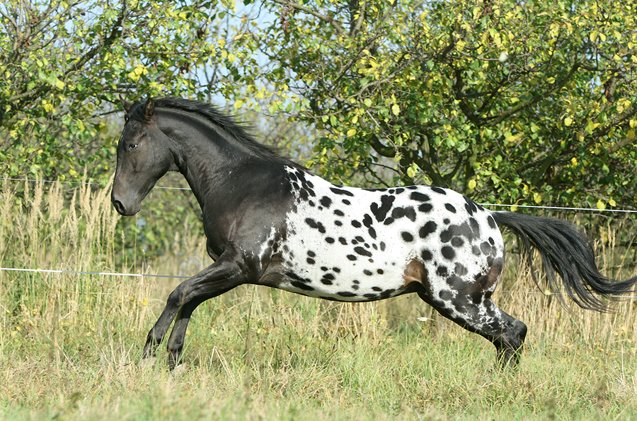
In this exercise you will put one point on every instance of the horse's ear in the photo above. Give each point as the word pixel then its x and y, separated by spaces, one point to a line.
pixel 127 105
pixel 149 109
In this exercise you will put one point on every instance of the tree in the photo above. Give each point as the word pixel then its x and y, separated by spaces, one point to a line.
pixel 521 102
pixel 64 65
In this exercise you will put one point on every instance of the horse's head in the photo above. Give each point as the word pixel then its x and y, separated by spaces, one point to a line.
pixel 143 157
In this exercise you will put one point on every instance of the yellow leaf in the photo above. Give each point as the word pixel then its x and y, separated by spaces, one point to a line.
pixel 48 107
pixel 537 198
pixel 574 162
pixel 511 138
pixel 472 184
pixel 601 205
pixel 140 69
pixel 395 109
pixel 59 84
pixel 568 121
pixel 351 132
pixel 133 76
pixel 612 202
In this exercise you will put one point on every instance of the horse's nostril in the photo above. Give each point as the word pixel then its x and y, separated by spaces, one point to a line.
pixel 119 207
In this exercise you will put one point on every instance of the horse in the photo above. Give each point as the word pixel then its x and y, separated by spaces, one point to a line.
pixel 270 221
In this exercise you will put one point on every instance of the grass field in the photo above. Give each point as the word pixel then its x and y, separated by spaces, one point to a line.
pixel 70 345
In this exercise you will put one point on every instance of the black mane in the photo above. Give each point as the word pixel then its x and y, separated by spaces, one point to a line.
pixel 236 130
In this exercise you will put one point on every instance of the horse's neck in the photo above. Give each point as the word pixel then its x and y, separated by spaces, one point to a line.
pixel 206 168
pixel 213 163
pixel 215 168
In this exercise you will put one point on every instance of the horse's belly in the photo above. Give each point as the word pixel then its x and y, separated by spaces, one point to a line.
pixel 334 276
pixel 346 267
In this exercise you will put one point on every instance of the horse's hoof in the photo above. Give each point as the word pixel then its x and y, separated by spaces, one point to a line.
pixel 179 370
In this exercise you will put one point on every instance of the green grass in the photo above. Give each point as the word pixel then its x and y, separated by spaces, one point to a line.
pixel 70 346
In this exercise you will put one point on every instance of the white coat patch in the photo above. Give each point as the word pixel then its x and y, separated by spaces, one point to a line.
pixel 352 244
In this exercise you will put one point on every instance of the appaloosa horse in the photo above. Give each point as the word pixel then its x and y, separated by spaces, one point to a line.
pixel 269 221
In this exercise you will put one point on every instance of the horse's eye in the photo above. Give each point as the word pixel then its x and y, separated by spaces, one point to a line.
pixel 132 146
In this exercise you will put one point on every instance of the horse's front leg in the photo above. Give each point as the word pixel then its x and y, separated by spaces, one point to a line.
pixel 221 276
pixel 178 333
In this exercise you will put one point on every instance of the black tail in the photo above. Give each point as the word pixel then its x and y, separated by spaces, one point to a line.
pixel 566 251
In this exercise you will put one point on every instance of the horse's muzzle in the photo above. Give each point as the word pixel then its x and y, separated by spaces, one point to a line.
pixel 119 207
pixel 122 210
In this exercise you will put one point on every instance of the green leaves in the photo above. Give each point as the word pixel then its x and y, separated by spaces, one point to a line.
pixel 494 99
pixel 64 65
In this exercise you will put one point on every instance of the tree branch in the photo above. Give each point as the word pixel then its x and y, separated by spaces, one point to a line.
pixel 535 99
pixel 116 30
pixel 337 25
pixel 380 148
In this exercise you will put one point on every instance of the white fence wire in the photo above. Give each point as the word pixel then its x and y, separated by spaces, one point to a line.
pixel 164 276
pixel 494 205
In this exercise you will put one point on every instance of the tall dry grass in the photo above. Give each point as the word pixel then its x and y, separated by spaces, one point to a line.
pixel 70 344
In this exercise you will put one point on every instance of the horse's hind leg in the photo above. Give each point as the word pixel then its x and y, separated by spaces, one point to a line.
pixel 468 303
pixel 478 314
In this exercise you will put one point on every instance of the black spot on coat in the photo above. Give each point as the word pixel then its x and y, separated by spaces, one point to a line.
pixel 420 197
pixel 362 251
pixel 427 229
pixel 325 201
pixel 380 212
pixel 425 207
pixel 336 190
pixel 448 252
pixel 316 225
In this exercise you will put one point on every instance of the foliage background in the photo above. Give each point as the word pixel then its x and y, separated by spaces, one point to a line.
pixel 511 102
